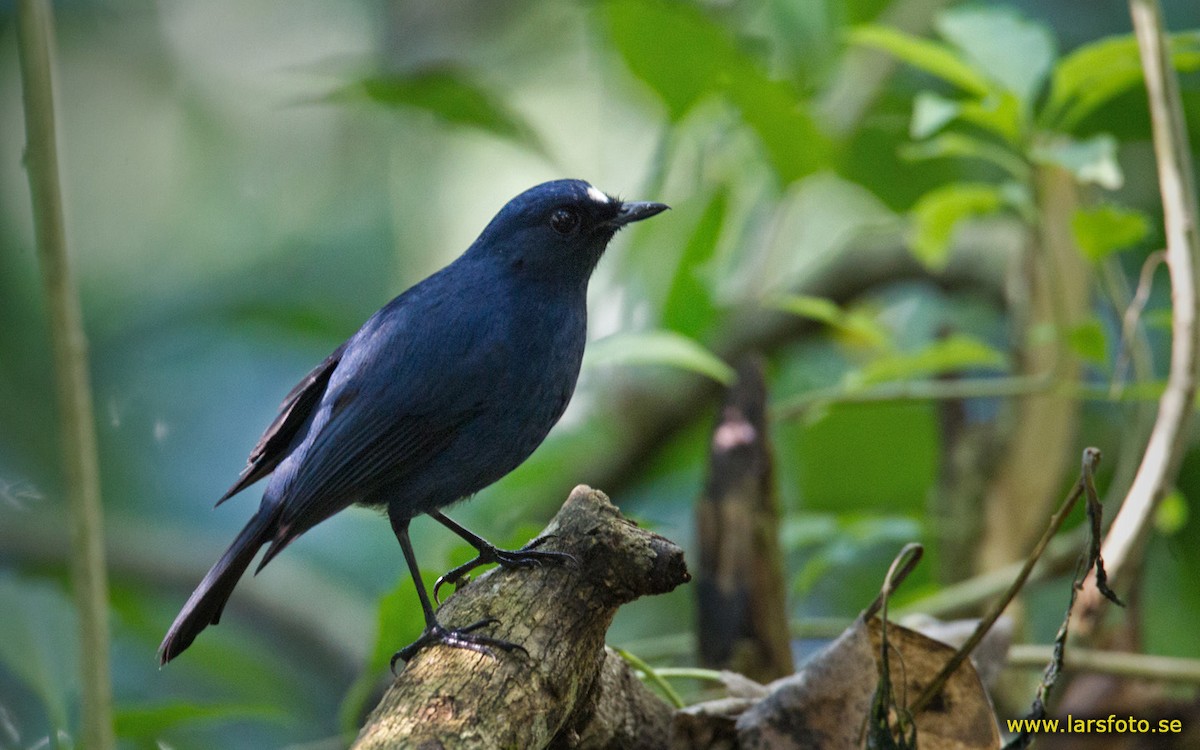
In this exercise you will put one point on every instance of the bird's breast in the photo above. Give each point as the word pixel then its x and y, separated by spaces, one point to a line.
pixel 519 377
pixel 544 350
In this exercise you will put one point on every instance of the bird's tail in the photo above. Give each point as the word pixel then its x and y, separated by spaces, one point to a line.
pixel 208 600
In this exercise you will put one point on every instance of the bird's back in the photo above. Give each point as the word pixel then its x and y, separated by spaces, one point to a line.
pixel 442 392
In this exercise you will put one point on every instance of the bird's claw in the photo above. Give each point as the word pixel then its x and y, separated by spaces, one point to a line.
pixel 463 637
pixel 530 556
pixel 527 556
pixel 455 577
pixel 563 558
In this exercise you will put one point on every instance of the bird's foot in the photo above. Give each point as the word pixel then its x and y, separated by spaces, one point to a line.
pixel 463 637
pixel 527 556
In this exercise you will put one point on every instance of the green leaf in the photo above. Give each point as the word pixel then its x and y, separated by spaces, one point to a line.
pixel 148 722
pixel 999 114
pixel 938 213
pixel 1096 73
pixel 1088 341
pixel 963 146
pixel 794 144
pixel 676 50
pixel 396 616
pixel 39 643
pixel 686 58
pixel 823 214
pixel 931 113
pixel 1011 50
pixel 1106 229
pixel 649 675
pixel 658 348
pixel 1092 161
pixel 935 58
pixel 449 94
pixel 1090 76
pixel 945 356
pixel 689 307
pixel 856 325
pixel 820 309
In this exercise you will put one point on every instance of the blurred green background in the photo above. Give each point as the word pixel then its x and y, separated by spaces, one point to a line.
pixel 246 182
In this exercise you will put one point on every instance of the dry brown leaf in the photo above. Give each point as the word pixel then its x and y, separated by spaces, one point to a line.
pixel 826 704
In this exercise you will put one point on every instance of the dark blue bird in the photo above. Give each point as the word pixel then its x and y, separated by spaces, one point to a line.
pixel 442 392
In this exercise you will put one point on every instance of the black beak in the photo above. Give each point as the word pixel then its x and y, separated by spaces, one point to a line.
pixel 636 211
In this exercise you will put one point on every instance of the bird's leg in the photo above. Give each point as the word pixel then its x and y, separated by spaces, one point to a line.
pixel 435 632
pixel 488 553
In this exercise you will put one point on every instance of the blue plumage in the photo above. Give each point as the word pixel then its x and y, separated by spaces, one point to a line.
pixel 442 392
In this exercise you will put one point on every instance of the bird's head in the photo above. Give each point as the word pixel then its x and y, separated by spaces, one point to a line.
pixel 558 230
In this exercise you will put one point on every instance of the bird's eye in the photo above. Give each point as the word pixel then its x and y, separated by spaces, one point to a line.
pixel 564 220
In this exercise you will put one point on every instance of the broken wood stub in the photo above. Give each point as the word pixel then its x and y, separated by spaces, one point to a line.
pixel 569 691
pixel 742 616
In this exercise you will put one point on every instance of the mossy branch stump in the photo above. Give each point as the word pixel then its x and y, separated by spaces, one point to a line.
pixel 569 691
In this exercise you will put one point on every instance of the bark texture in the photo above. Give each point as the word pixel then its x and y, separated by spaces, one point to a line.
pixel 569 691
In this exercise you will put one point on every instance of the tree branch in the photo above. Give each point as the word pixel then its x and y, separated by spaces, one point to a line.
pixel 569 690
pixel 652 421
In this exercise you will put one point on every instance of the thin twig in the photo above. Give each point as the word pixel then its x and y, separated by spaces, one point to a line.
pixel 905 561
pixel 1089 561
pixel 798 406
pixel 968 595
pixel 35 36
pixel 914 390
pixel 891 723
pixel 1134 367
pixel 1091 458
pixel 1131 318
pixel 1115 663
pixel 1168 438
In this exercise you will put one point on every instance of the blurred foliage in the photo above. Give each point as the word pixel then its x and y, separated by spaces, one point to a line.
pixel 447 94
pixel 247 182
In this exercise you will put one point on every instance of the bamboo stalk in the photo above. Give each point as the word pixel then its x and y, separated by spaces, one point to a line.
pixel 35 34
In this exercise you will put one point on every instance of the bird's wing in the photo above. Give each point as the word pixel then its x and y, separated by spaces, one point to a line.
pixel 355 452
pixel 295 409
pixel 406 386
